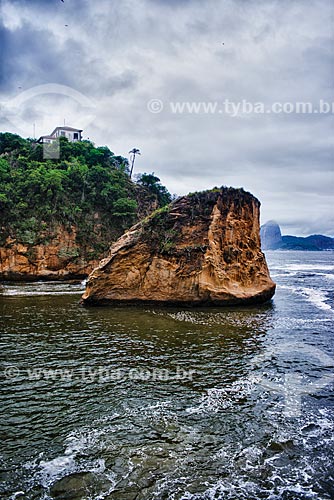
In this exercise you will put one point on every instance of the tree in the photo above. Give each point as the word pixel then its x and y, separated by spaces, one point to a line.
pixel 153 184
pixel 133 154
pixel 124 207
pixel 10 142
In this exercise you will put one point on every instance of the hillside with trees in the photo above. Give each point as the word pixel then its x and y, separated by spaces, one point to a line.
pixel 86 192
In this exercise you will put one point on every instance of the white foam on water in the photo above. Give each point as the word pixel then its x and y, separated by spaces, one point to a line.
pixel 19 293
pixel 306 267
pixel 250 456
pixel 41 288
pixel 211 402
pixel 285 321
pixel 84 441
pixel 59 467
pixel 283 275
pixel 314 270
pixel 316 297
pixel 328 276
pixel 215 399
pixel 17 494
pixel 225 490
pixel 82 446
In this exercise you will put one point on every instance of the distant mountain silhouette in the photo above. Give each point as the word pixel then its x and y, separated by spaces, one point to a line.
pixel 271 236
pixel 272 239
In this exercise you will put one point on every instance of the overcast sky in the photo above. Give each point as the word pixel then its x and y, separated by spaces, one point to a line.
pixel 114 56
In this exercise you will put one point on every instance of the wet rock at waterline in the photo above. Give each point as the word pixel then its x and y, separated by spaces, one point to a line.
pixel 80 485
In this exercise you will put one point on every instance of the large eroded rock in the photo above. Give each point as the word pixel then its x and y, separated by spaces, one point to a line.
pixel 202 249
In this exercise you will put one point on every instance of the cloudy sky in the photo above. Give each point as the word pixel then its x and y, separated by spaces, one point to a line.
pixel 105 65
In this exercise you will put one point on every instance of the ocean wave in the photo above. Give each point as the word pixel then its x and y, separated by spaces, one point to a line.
pixel 41 289
pixel 307 323
pixel 316 297
pixel 62 466
pixel 328 276
pixel 306 267
pixel 16 293
pixel 285 274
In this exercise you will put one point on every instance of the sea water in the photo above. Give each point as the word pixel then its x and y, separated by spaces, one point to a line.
pixel 170 403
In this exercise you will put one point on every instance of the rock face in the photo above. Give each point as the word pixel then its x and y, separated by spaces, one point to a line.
pixel 203 249
pixel 59 252
pixel 271 237
pixel 57 259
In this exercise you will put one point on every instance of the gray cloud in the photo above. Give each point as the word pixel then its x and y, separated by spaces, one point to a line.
pixel 122 54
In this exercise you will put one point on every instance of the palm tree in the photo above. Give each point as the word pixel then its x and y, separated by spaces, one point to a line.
pixel 133 154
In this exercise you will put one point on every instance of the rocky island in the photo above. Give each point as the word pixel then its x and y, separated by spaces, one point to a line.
pixel 202 249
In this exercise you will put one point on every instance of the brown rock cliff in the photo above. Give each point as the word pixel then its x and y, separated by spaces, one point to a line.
pixel 202 249
pixel 58 253
pixel 58 258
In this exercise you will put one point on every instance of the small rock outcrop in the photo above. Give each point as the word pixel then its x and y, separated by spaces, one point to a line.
pixel 203 249
pixel 271 237
pixel 81 485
